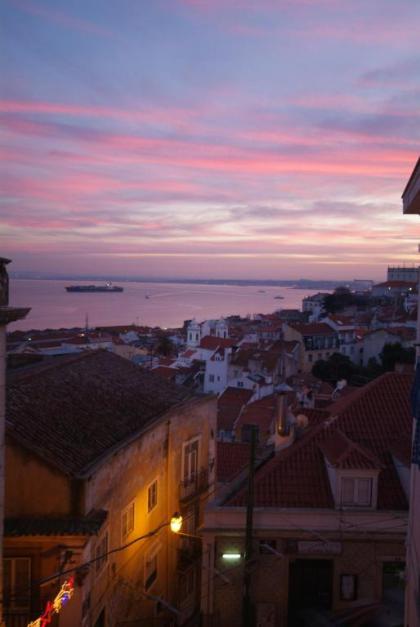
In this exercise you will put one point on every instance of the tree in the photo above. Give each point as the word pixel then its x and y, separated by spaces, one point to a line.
pixel 395 353
pixel 339 300
pixel 334 368
pixel 165 346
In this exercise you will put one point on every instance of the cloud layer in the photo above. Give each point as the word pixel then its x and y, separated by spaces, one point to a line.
pixel 264 141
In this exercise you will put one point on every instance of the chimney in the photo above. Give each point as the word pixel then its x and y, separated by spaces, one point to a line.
pixel 281 417
pixel 284 434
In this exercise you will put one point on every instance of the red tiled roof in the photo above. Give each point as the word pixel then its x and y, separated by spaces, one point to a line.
pixel 373 418
pixel 341 320
pixel 210 342
pixel 73 410
pixel 232 457
pixel 165 372
pixel 235 395
pixel 312 328
pixel 314 416
pixel 260 413
pixel 396 284
pixel 343 453
pixel 229 406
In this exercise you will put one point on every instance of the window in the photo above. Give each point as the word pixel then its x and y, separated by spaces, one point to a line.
pixel 17 583
pixel 190 461
pixel 211 378
pixel 348 587
pixel 150 570
pixel 101 551
pixel 152 496
pixel 310 358
pixel 356 491
pixel 240 384
pixel 127 521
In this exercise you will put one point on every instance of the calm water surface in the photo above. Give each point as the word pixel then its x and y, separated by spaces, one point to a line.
pixel 151 304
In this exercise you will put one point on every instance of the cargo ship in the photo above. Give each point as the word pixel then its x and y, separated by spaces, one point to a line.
pixel 108 287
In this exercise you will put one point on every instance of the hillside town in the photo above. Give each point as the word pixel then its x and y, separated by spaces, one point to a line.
pixel 257 471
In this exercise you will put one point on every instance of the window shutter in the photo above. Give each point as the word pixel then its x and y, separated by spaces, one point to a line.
pixel 364 496
pixel 347 491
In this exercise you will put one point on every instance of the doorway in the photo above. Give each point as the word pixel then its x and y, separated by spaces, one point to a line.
pixel 310 589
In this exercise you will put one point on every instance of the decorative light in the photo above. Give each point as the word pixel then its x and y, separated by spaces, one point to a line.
pixel 176 523
pixel 55 607
pixel 231 556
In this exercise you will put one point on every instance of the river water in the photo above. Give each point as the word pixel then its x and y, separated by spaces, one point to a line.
pixel 152 304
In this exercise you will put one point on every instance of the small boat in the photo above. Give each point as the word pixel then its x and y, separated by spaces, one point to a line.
pixel 279 297
pixel 147 296
pixel 87 289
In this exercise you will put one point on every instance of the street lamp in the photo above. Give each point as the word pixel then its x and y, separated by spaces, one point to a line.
pixel 176 523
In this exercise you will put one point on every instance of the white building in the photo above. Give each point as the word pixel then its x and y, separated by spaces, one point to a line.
pixel 314 305
pixel 196 331
pixel 346 331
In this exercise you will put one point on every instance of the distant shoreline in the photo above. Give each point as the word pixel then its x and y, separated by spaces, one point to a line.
pixel 311 284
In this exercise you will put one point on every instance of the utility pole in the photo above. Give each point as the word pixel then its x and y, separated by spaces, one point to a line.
pixel 248 619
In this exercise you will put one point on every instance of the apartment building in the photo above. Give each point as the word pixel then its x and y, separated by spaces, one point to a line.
pixel 100 454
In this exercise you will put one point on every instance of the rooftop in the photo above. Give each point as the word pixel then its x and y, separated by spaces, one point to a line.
pixel 372 419
pixel 73 410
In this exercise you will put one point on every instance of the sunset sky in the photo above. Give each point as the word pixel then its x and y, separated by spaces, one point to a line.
pixel 209 138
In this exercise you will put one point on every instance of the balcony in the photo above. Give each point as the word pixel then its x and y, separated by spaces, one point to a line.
pixel 194 485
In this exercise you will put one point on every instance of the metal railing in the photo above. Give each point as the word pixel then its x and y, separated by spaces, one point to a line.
pixel 194 484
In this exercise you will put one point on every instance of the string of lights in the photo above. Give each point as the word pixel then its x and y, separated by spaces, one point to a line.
pixel 67 589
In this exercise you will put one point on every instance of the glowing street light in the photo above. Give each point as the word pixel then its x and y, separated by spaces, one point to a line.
pixel 176 523
pixel 231 556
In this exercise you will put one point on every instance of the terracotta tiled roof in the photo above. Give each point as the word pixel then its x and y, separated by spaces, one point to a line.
pixel 373 419
pixel 343 453
pixel 260 413
pixel 314 416
pixel 229 406
pixel 232 457
pixel 312 328
pixel 398 284
pixel 210 342
pixel 235 396
pixel 165 372
pixel 341 320
pixel 75 409
pixel 188 353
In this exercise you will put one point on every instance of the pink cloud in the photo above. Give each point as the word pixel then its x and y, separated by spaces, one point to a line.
pixel 154 115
